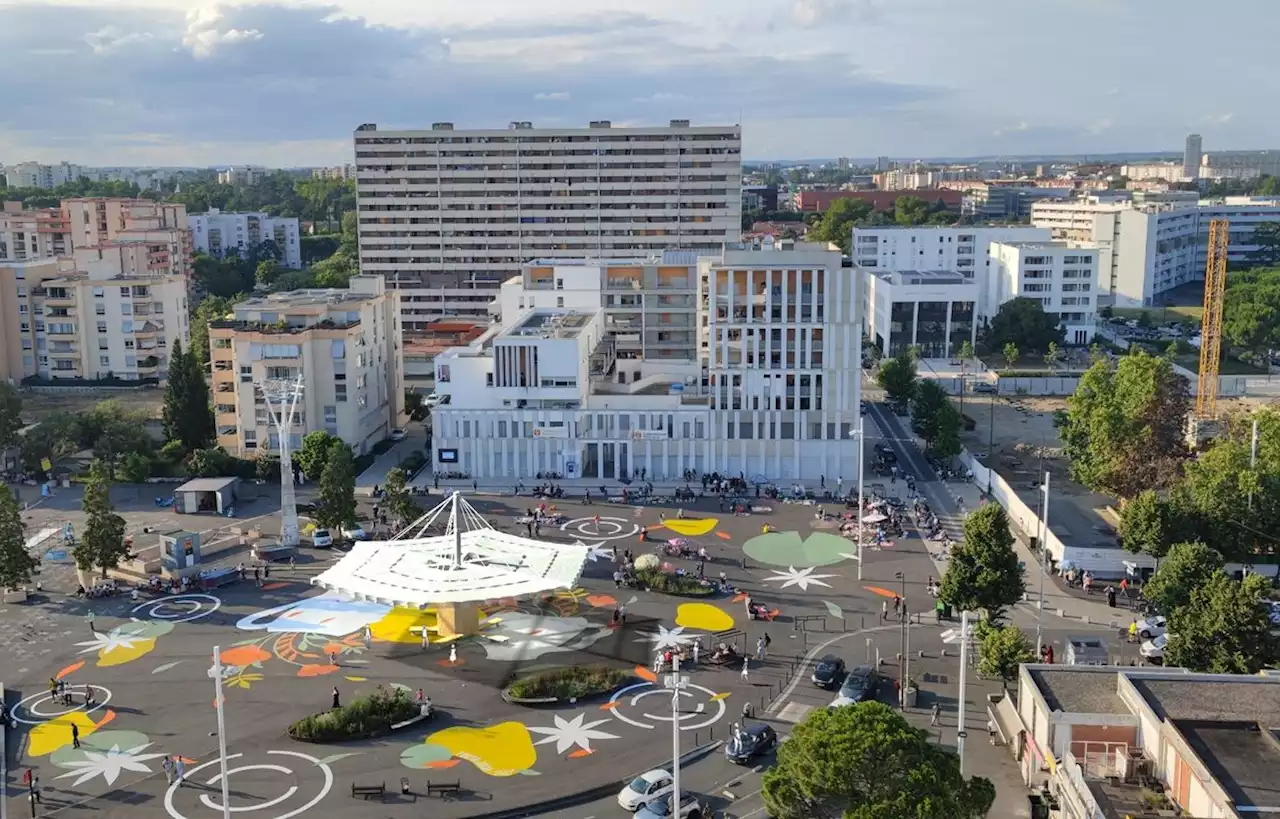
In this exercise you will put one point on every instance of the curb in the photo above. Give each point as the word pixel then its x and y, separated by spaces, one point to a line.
pixel 590 794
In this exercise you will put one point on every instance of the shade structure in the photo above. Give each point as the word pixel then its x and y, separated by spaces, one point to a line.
pixel 468 562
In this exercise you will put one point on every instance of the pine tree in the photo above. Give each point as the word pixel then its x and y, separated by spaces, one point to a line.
pixel 199 405
pixel 103 543
pixel 337 507
pixel 188 415
pixel 174 395
pixel 16 563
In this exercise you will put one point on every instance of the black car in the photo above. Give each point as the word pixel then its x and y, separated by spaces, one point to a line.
pixel 859 685
pixel 750 742
pixel 829 673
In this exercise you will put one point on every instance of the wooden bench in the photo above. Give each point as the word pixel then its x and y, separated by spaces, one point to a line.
pixel 444 788
pixel 379 790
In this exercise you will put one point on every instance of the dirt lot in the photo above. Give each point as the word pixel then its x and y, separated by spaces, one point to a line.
pixel 36 406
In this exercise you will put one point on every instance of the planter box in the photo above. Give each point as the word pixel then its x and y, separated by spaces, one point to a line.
pixel 13 596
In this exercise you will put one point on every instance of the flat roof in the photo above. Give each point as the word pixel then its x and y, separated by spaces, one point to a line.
pixel 1222 699
pixel 302 298
pixel 899 278
pixel 1242 756
pixel 207 484
pixel 1078 691
pixel 545 324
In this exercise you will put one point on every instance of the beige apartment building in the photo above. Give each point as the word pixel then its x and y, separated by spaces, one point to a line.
pixel 344 343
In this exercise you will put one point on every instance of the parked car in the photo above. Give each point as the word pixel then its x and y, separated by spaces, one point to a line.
pixel 354 533
pixel 321 539
pixel 431 400
pixel 691 807
pixel 859 685
pixel 399 434
pixel 1151 627
pixel 1153 650
pixel 984 387
pixel 750 743
pixel 644 788
pixel 829 673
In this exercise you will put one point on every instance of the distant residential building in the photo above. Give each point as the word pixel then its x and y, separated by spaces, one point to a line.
pixel 1145 171
pixel 1060 275
pixel 345 171
pixel 819 201
pixel 32 234
pixel 215 233
pixel 344 343
pixel 448 214
pixel 760 197
pixel 242 175
pixel 1003 202
pixel 37 175
pixel 960 249
pixel 1192 153
pixel 1240 164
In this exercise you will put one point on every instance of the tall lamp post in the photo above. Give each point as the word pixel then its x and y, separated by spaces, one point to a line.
pixel 906 641
pixel 282 397
pixel 861 467
pixel 676 683
pixel 1044 567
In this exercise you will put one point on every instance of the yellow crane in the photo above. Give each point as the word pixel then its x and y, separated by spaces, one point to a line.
pixel 1215 285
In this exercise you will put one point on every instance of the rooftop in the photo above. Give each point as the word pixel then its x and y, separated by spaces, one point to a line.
pixel 314 297
pixel 1219 698
pixel 548 324
pixel 667 257
pixel 909 277
pixel 1078 691
pixel 1242 756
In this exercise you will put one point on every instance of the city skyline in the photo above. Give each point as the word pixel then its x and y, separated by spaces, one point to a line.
pixel 152 82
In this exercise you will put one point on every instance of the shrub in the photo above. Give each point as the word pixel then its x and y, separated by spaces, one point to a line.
pixel 134 467
pixel 364 717
pixel 413 463
pixel 659 581
pixel 568 683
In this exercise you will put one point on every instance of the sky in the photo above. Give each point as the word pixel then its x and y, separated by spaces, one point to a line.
pixel 284 84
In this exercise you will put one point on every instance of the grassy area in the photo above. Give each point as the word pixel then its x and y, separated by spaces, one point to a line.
pixel 1229 366
pixel 659 581
pixel 1189 314
pixel 568 683
pixel 365 717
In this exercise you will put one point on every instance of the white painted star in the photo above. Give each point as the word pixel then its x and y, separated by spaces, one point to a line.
pixel 109 764
pixel 107 641
pixel 848 556
pixel 672 638
pixel 804 578
pixel 599 551
pixel 569 733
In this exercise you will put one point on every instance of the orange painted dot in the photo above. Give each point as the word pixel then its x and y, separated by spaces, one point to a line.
pixel 645 674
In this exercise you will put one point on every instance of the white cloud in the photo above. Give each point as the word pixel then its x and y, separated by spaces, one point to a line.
pixel 812 13
pixel 552 96
pixel 1218 119
pixel 206 32
pixel 109 38
pixel 1012 129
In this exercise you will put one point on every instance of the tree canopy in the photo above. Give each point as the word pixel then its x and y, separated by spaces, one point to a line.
pixel 10 415
pixel 1187 566
pixel 336 506
pixel 897 377
pixel 1266 237
pixel 983 572
pixel 1225 627
pixel 866 761
pixel 102 545
pixel 1024 323
pixel 188 415
pixel 1004 649
pixel 16 563
pixel 313 456
pixel 1251 306
pixel 1123 429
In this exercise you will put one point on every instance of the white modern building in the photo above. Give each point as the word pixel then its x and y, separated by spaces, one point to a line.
pixel 242 175
pixel 447 215
pixel 1240 164
pixel 752 369
pixel 1061 276
pixel 1147 171
pixel 215 232
pixel 1147 250
pixel 37 175
pixel 344 171
pixel 962 249
pixel 936 310
pixel 344 343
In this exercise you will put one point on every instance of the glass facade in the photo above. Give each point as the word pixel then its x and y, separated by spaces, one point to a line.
pixel 902 327
pixel 961 325
pixel 931 329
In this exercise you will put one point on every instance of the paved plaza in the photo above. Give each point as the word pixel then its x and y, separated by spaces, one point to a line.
pixel 287 645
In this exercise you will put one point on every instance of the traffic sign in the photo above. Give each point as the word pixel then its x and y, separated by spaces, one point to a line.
pixel 675 681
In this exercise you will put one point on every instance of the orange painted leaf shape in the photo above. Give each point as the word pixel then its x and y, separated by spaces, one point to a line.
pixel 738 598
pixel 274 586
pixel 645 674
pixel 106 718
pixel 334 648
pixel 317 670
pixel 723 536
pixel 245 655
pixel 444 763
pixel 601 600
pixel 581 752
pixel 609 706
pixel 71 669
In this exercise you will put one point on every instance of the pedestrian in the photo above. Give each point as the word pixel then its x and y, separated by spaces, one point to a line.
pixel 935 713
pixel 768 641
pixel 266 571
pixel 368 637
pixel 426 638
pixel 90 617
pixel 622 612
pixel 1111 597
pixel 333 656
pixel 257 575
pixel 35 788
pixel 293 563
pixel 53 687
pixel 617 579
pixel 420 696
pixel 179 770
pixel 1048 655
pixel 475 486
pixel 336 703
pixel 760 648
pixel 747 602
pixel 657 661
pixel 746 665
pixel 167 765
pixel 884 610
pixel 240 569
pixel 75 735
pixel 697 650
pixel 897 604
pixel 1133 631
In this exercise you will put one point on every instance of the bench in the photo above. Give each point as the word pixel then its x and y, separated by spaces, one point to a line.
pixel 379 790
pixel 444 788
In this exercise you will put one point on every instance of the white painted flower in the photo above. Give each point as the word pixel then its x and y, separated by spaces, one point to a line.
pixel 109 764
pixel 574 732
pixel 599 551
pixel 108 641
pixel 667 638
pixel 804 578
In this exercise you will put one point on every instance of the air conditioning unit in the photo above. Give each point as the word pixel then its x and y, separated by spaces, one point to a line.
pixel 1135 767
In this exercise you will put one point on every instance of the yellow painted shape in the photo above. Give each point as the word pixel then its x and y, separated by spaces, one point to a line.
pixel 719 697
pixel 691 527
pixel 119 655
pixel 48 737
pixel 703 617
pixel 403 625
pixel 504 749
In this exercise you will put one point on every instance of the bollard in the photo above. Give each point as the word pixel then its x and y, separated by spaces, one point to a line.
pixel 864 622
pixel 920 654
pixel 1086 618
pixel 1060 614
pixel 898 657
pixel 943 653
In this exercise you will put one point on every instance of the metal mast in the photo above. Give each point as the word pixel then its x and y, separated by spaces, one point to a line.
pixel 1215 284
pixel 282 397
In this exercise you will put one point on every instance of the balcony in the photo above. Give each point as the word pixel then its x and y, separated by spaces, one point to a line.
pixel 148 364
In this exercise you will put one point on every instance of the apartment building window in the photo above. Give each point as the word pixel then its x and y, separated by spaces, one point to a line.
pixel 22 309
pixel 1036 288
pixel 102 344
pixel 99 292
pixel 126 309
pixel 331 414
pixel 340 393
pixel 126 326
pixel 22 291
pixel 100 309
pixel 104 361
pixel 128 345
pixel 250 439
pixel 130 361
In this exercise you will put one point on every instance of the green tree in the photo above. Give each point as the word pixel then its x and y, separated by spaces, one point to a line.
pixel 839 220
pixel 1011 354
pixel 1186 567
pixel 401 508
pixel 1266 238
pixel 102 545
pixel 16 563
pixel 965 353
pixel 222 277
pixel 1023 322
pixel 267 271
pixel 187 414
pixel 10 415
pixel 983 572
pixel 946 438
pixel 897 377
pixel 1053 355
pixel 313 456
pixel 211 308
pixel 336 506
pixel 135 467
pixel 1123 431
pixel 1150 524
pixel 866 761
pixel 1004 649
pixel 926 403
pixel 1225 628
pixel 910 210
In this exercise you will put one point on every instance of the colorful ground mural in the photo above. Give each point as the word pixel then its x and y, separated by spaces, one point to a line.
pixel 703 617
pixel 787 549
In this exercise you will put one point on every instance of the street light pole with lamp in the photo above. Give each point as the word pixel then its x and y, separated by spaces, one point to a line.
pixel 905 642
pixel 1044 568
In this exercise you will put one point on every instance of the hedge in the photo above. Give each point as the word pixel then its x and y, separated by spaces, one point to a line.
pixel 568 683
pixel 364 717
pixel 659 581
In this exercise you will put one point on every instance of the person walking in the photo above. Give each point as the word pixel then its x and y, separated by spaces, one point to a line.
pixel 622 613
pixel 760 648
pixel 75 735
pixel 897 604
pixel 768 641
pixel 167 765
pixel 935 714
pixel 257 575
pixel 368 637
pixel 1133 631
pixel 426 638
pixel 179 770
pixel 884 610
pixel 746 669
pixel 293 563
pixel 697 650
pixel 266 571
pixel 336 703
pixel 617 579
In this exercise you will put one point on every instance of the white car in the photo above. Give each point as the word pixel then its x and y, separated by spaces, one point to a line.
pixel 1153 650
pixel 644 787
pixel 431 400
pixel 1151 627
pixel 399 434
pixel 321 539
pixel 354 533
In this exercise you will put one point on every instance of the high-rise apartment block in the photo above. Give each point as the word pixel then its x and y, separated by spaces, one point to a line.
pixel 344 343
pixel 743 361
pixel 216 233
pixel 242 175
pixel 1191 155
pixel 447 215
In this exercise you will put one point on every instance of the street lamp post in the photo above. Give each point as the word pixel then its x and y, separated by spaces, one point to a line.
pixel 905 619
pixel 676 683
pixel 222 731
pixel 860 432
pixel 961 733
pixel 1044 566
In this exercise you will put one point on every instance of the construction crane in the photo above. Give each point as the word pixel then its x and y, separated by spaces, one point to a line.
pixel 1215 285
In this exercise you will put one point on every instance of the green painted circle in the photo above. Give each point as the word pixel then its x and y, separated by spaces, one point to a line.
pixel 785 549
pixel 423 754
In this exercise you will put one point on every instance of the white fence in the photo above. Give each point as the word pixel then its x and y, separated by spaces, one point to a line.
pixel 1020 515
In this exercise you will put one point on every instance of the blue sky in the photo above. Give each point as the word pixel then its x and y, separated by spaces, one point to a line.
pixel 184 82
